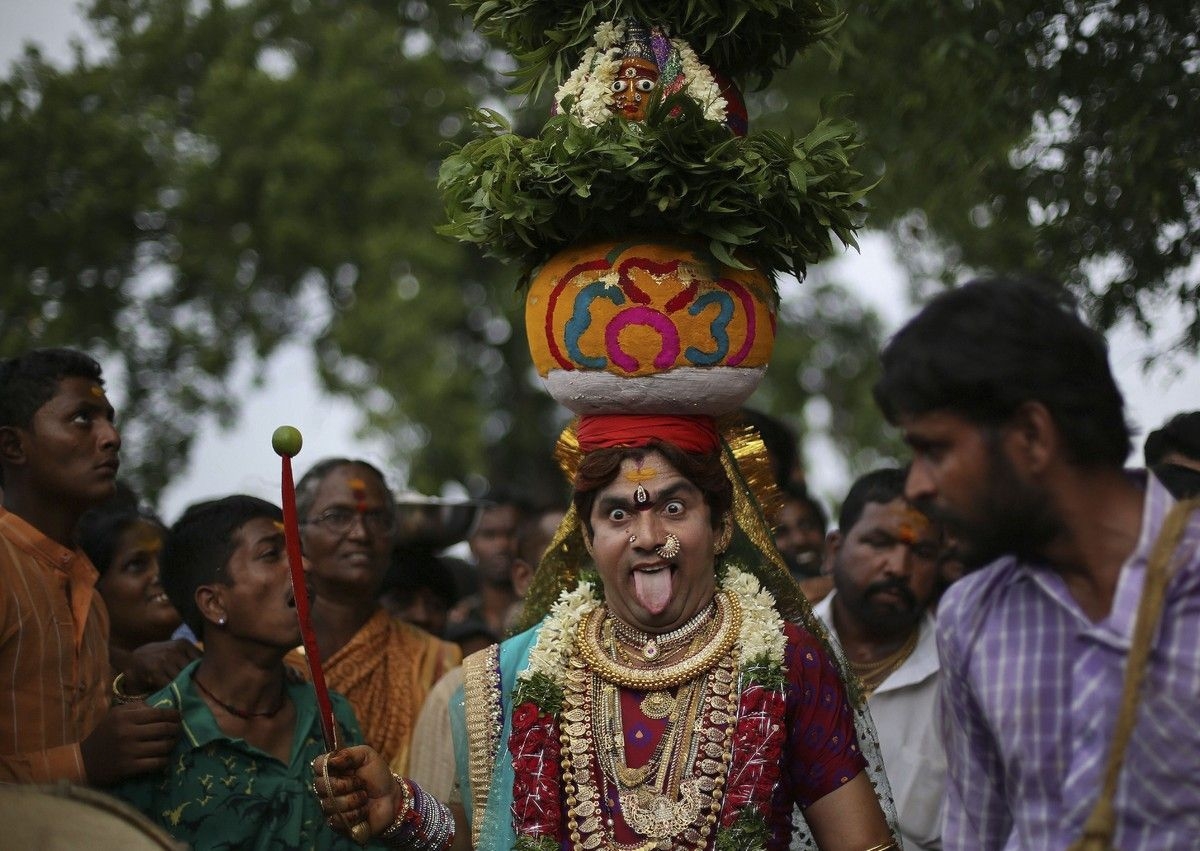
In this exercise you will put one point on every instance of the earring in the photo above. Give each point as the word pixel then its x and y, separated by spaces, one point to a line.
pixel 221 620
pixel 587 543
pixel 668 548
pixel 725 536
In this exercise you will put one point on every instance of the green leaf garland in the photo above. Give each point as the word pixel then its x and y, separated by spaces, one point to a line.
pixel 770 199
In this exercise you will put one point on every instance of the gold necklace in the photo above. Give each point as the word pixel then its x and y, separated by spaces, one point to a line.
pixel 872 674
pixel 588 640
pixel 651 646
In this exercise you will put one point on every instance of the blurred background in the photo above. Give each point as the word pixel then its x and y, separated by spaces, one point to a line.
pixel 231 205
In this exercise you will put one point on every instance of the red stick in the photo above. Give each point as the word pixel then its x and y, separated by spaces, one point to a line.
pixel 291 534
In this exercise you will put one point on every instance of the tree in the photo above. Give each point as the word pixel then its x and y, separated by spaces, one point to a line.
pixel 222 174
pixel 1053 137
pixel 230 175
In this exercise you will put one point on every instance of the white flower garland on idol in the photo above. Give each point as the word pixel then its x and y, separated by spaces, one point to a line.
pixel 700 86
pixel 590 84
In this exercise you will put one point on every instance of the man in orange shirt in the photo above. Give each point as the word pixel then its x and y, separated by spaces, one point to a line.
pixel 58 457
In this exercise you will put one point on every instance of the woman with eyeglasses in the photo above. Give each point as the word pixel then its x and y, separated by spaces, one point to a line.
pixel 384 666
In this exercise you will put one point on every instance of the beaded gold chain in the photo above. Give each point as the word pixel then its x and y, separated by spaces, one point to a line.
pixel 652 646
pixel 588 641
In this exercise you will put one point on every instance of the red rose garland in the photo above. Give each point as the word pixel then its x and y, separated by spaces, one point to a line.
pixel 535 751
pixel 758 741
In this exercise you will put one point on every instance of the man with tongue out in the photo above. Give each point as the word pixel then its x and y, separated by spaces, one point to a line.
pixel 678 697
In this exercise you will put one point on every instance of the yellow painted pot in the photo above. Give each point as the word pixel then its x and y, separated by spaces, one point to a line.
pixel 649 327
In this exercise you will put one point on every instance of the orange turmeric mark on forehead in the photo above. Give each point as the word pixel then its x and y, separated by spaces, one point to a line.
pixel 150 544
pixel 641 475
pixel 359 489
pixel 278 525
pixel 96 390
pixel 913 526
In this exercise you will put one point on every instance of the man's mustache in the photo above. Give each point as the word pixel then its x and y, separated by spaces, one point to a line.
pixel 895 584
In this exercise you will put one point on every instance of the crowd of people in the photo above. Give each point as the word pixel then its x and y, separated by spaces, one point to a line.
pixel 995 646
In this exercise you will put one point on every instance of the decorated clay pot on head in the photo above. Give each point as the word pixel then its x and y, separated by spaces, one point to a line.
pixel 649 327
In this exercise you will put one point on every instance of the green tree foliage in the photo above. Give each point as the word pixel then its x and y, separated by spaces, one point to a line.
pixel 1057 137
pixel 231 175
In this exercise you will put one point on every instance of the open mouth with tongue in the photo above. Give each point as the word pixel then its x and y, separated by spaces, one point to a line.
pixel 653 584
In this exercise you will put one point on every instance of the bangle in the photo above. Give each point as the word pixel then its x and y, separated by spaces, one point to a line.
pixel 403 808
pixel 887 846
pixel 119 695
pixel 422 823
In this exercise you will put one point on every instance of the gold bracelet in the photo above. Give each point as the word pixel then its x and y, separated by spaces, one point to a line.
pixel 402 809
pixel 119 695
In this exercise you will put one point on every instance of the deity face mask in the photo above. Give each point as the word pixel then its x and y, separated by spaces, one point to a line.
pixel 636 79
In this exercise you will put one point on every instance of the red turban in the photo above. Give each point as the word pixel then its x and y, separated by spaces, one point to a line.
pixel 690 433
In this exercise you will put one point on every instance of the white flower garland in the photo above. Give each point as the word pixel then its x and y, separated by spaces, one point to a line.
pixel 761 631
pixel 590 84
pixel 700 86
pixel 549 653
pixel 762 627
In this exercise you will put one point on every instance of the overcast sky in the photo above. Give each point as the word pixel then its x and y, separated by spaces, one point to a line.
pixel 240 459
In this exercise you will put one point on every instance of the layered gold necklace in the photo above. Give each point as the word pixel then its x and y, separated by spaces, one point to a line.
pixel 673 800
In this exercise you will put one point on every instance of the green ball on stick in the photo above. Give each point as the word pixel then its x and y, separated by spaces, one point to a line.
pixel 287 441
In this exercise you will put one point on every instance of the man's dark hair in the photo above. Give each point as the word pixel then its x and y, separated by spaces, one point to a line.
pixel 30 380
pixel 878 486
pixel 984 349
pixel 310 482
pixel 1180 434
pixel 199 546
pixel 501 495
pixel 599 468
pixel 414 568
pixel 796 492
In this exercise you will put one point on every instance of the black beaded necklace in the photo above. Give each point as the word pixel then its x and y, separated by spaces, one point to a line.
pixel 241 713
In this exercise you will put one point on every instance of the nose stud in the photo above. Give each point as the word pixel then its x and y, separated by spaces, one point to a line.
pixel 668 548
pixel 633 539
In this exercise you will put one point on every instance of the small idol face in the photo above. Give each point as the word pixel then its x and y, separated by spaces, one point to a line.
pixel 654 545
pixel 636 79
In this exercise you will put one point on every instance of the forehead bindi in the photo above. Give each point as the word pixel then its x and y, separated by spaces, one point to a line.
pixel 73 391
pixel 349 487
pixel 643 483
pixel 145 538
pixel 254 532
pixel 897 518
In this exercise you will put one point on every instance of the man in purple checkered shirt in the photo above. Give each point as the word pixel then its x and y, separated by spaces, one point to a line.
pixel 1019 441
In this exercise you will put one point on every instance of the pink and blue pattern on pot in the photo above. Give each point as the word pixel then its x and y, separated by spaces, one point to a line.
pixel 649 327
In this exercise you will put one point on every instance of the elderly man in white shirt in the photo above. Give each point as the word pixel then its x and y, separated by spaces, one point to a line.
pixel 883 559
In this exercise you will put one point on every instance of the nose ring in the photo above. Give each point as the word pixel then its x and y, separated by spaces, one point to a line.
pixel 668 548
